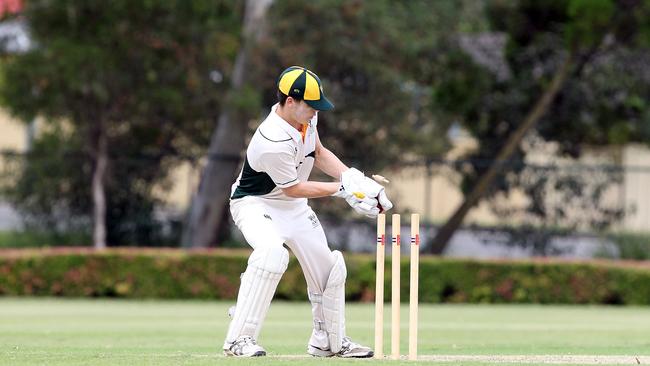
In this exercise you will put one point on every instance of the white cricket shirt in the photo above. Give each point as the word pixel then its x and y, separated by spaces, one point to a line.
pixel 277 157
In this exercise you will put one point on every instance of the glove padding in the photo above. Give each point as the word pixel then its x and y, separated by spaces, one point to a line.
pixel 366 196
pixel 377 191
pixel 365 206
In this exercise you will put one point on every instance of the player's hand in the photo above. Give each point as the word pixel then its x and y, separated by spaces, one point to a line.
pixel 350 184
pixel 352 191
pixel 355 182
pixel 362 204
pixel 377 191
pixel 366 206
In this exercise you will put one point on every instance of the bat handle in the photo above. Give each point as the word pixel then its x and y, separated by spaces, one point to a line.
pixel 379 179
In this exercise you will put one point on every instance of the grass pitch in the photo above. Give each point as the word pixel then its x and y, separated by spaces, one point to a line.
pixel 118 332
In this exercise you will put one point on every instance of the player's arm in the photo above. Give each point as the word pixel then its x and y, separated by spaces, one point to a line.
pixel 312 189
pixel 278 163
pixel 331 165
pixel 327 162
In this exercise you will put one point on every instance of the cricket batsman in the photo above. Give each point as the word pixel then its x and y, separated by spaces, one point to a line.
pixel 269 205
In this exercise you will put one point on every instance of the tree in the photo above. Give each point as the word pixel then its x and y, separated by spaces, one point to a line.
pixel 374 60
pixel 555 49
pixel 128 77
pixel 208 206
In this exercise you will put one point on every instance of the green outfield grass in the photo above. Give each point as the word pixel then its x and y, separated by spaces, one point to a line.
pixel 116 332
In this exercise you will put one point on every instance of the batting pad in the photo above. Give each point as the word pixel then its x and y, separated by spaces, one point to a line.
pixel 258 283
pixel 334 303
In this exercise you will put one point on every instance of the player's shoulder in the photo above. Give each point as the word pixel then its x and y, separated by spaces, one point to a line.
pixel 272 132
pixel 271 139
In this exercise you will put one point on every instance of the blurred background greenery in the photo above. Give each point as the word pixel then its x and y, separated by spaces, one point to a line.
pixel 520 118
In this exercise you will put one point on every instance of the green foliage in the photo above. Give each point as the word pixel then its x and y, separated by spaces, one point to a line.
pixel 601 103
pixel 632 246
pixel 39 239
pixel 137 72
pixel 124 62
pixel 462 87
pixel 48 186
pixel 245 100
pixel 375 60
pixel 590 19
pixel 215 275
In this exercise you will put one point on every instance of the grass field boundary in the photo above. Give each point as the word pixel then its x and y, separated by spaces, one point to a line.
pixel 522 359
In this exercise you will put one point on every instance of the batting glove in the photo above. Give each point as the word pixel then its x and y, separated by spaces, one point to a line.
pixel 376 190
pixel 352 192
pixel 355 182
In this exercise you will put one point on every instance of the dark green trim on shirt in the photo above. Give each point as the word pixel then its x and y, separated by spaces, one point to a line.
pixel 253 183
pixel 289 139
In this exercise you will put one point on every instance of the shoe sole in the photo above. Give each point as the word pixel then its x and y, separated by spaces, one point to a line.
pixel 317 352
pixel 256 354
pixel 363 355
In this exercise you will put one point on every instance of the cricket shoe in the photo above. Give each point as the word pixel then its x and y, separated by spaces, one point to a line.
pixel 244 346
pixel 349 349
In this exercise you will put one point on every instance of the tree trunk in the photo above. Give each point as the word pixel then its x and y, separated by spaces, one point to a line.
pixel 447 230
pixel 207 209
pixel 99 195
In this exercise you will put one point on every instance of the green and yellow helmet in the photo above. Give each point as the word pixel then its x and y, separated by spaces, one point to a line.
pixel 303 84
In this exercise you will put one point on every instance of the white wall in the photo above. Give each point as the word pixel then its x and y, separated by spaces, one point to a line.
pixel 636 159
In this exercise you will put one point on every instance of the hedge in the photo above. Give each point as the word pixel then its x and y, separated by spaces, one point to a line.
pixel 214 274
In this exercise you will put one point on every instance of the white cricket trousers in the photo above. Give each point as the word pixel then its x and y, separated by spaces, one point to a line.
pixel 274 222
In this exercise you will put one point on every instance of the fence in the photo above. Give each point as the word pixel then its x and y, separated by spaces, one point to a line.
pixel 533 200
pixel 586 197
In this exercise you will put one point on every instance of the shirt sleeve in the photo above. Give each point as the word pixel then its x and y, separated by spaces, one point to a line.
pixel 280 166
